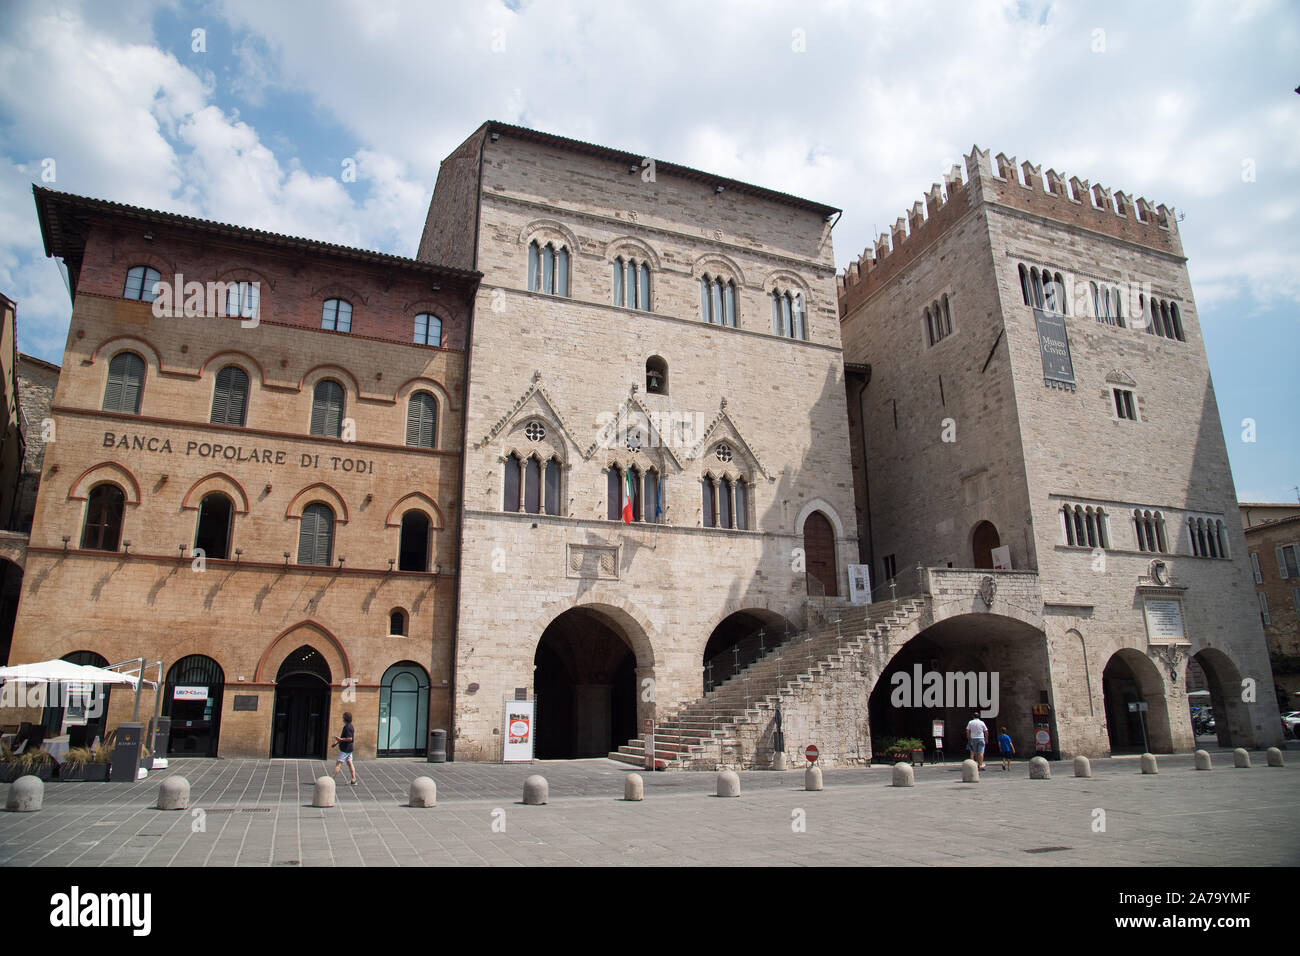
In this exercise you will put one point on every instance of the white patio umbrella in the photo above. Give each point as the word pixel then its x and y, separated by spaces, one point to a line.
pixel 54 672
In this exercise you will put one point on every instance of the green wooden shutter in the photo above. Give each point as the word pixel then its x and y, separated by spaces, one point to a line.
pixel 327 409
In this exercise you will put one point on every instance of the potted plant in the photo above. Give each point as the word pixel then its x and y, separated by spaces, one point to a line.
pixel 904 750
pixel 8 765
pixel 38 763
pixel 100 758
pixel 75 763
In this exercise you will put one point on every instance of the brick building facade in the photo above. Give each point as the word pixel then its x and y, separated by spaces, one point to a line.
pixel 303 432
pixel 1274 554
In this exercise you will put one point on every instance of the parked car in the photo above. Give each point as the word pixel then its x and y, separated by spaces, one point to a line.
pixel 1291 723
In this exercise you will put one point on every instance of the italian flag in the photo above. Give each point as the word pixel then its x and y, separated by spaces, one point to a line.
pixel 627 496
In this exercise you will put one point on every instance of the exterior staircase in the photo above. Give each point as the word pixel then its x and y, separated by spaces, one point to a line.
pixel 721 728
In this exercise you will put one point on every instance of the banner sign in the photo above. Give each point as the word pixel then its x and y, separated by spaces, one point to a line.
pixel 1054 344
pixel 520 729
pixel 859 584
pixel 189 693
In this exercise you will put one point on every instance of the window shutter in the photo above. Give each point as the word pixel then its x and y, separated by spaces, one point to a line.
pixel 1281 562
pixel 307 537
pixel 113 392
pixel 221 398
pixel 413 421
pixel 1254 566
pixel 317 412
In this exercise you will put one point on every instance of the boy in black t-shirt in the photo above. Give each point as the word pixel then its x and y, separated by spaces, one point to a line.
pixel 344 743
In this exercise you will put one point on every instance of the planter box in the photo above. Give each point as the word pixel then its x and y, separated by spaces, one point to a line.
pixel 88 771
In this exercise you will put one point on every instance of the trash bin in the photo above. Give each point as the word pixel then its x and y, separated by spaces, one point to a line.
pixel 437 746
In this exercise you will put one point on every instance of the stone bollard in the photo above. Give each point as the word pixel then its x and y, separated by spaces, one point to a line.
pixel 1275 757
pixel 323 794
pixel 1149 764
pixel 812 778
pixel 174 794
pixel 1203 761
pixel 424 792
pixel 728 783
pixel 633 787
pixel 1241 758
pixel 1082 766
pixel 1039 769
pixel 536 791
pixel 779 760
pixel 26 794
pixel 904 775
pixel 970 771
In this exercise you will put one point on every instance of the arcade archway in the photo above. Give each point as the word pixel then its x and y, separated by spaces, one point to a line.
pixel 192 698
pixel 1223 681
pixel 960 665
pixel 1131 678
pixel 740 639
pixel 584 681
pixel 302 705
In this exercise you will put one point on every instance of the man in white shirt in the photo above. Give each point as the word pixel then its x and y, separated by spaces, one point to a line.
pixel 977 735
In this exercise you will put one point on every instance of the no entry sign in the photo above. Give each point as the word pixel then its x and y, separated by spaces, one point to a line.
pixel 812 753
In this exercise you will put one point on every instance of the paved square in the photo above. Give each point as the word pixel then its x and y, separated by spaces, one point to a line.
pixel 258 813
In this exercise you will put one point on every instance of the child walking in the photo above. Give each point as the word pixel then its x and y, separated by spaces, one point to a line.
pixel 1007 747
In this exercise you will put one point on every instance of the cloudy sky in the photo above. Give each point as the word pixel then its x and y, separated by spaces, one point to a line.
pixel 248 111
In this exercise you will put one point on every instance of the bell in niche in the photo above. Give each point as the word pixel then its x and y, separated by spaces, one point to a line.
pixel 653 382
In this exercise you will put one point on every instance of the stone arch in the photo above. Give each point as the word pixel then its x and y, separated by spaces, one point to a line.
pixel 337 372
pixel 788 281
pixel 639 248
pixel 548 230
pixel 319 491
pixel 415 501
pixel 251 366
pixel 1131 676
pixel 423 383
pixel 106 471
pixel 710 263
pixel 625 615
pixel 340 290
pixel 13 548
pixel 216 481
pixel 129 343
pixel 739 638
pixel 984 537
pixel 1232 721
pixel 294 637
pixel 822 505
pixel 245 273
pixel 153 258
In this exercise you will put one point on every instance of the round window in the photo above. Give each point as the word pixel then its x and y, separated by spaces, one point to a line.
pixel 723 452
pixel 535 431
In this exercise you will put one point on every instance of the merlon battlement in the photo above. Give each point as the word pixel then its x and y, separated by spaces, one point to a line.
pixel 1074 201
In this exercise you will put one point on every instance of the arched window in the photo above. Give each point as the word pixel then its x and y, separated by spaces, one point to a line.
pixel 548 268
pixel 403 711
pixel 1165 321
pixel 1036 282
pixel 631 284
pixel 1052 293
pixel 742 504
pixel 397 622
pixel 726 519
pixel 1154 325
pixel 336 315
pixel 141 283
pixel 125 383
pixel 421 421
pixel 656 376
pixel 788 314
pixel 653 506
pixel 243 299
pixel 428 329
pixel 1024 284
pixel 513 482
pixel 947 316
pixel 614 493
pixel 103 528
pixel 1061 297
pixel 212 534
pixel 230 396
pixel 413 548
pixel 327 409
pixel 316 535
pixel 552 487
pixel 1177 321
pixel 708 514
pixel 533 486
pixel 718 301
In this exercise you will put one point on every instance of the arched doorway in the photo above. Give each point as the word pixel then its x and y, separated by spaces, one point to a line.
pixel 403 711
pixel 819 555
pixel 1222 680
pixel 83 720
pixel 192 699
pixel 302 705
pixel 11 586
pixel 1131 678
pixel 983 541
pixel 739 640
pixel 990 663
pixel 584 679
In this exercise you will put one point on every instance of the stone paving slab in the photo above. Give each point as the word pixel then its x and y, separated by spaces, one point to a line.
pixel 258 813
